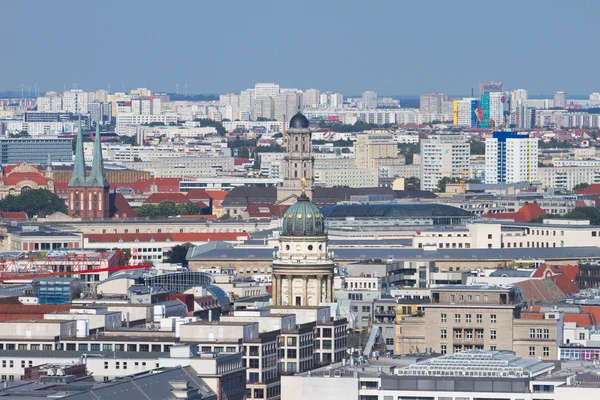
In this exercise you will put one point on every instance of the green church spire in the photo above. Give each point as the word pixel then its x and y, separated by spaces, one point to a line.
pixel 97 178
pixel 78 177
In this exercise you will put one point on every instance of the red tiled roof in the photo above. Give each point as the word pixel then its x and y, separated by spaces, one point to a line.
pixel 21 311
pixel 571 271
pixel 13 215
pixel 17 177
pixel 197 194
pixel 266 210
pixel 120 207
pixel 565 285
pixel 165 237
pixel 217 195
pixel 540 291
pixel 177 198
pixel 241 161
pixel 525 213
pixel 532 315
pixel 585 319
pixel 592 189
pixel 595 310
pixel 9 168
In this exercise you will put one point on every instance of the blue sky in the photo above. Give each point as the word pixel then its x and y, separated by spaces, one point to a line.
pixel 400 47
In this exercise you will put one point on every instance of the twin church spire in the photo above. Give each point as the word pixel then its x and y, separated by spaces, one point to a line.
pixel 96 177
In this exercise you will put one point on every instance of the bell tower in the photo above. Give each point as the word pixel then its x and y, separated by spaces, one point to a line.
pixel 88 197
pixel 298 161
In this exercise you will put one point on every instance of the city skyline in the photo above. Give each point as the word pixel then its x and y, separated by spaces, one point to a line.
pixel 161 47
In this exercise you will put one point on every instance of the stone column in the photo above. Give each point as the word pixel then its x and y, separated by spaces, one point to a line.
pixel 279 293
pixel 319 289
pixel 274 294
pixel 290 295
pixel 330 288
pixel 305 290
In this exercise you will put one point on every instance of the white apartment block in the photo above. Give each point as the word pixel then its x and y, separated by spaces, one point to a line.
pixel 510 158
pixel 39 128
pixel 496 108
pixel 443 156
pixel 372 147
pixel 145 133
pixel 51 102
pixel 311 98
pixel 125 119
pixel 463 110
pixel 568 176
pixel 352 177
pixel 266 89
pixel 76 101
pixel 146 106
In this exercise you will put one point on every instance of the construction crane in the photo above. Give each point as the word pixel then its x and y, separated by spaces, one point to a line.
pixel 463 183
pixel 64 265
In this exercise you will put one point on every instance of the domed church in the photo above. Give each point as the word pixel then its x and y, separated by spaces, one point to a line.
pixel 302 268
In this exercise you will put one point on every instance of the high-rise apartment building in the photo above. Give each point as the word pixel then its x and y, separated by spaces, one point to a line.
pixel 266 89
pixel 595 97
pixel 51 102
pixel 286 104
pixel 525 116
pixel 487 87
pixel 492 106
pixel 311 98
pixel 443 156
pixel 146 106
pixel 100 112
pixel 263 107
pixel 102 95
pixel 431 104
pixel 330 99
pixel 511 157
pixel 369 100
pixel 75 101
pixel 560 99
pixel 467 112
pixel 516 96
pixel 372 148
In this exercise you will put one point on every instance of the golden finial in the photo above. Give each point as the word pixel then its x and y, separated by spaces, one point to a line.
pixel 303 185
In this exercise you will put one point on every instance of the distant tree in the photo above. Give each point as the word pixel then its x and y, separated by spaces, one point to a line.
pixel 477 147
pixel 591 214
pixel 124 256
pixel 225 216
pixel 41 202
pixel 408 150
pixel 555 144
pixel 177 255
pixel 131 140
pixel 441 186
pixel 216 124
pixel 412 183
pixel 581 186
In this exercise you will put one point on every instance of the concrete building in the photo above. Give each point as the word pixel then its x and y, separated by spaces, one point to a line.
pixel 75 101
pixel 369 100
pixel 125 120
pixel 101 112
pixel 311 98
pixel 560 99
pixel 511 157
pixel 373 149
pixel 443 156
pixel 480 318
pixel 51 102
pixel 351 177
pixel 35 150
pixel 568 177
pixel 430 105
pixel 487 87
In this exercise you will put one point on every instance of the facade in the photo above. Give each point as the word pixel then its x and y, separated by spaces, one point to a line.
pixel 75 101
pixel 492 105
pixel 462 318
pixel 100 112
pixel 298 161
pixel 369 100
pixel 568 177
pixel 88 197
pixel 443 156
pixel 487 87
pixel 511 157
pixel 431 105
pixel 560 99
pixel 467 113
pixel 130 119
pixel 35 150
pixel 351 177
pixel 374 149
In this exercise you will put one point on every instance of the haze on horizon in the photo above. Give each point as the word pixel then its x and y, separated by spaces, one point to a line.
pixel 348 46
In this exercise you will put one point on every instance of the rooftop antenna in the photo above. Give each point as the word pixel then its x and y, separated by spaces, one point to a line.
pixel 74 86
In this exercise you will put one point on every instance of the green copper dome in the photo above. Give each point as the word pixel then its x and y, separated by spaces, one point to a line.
pixel 303 218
